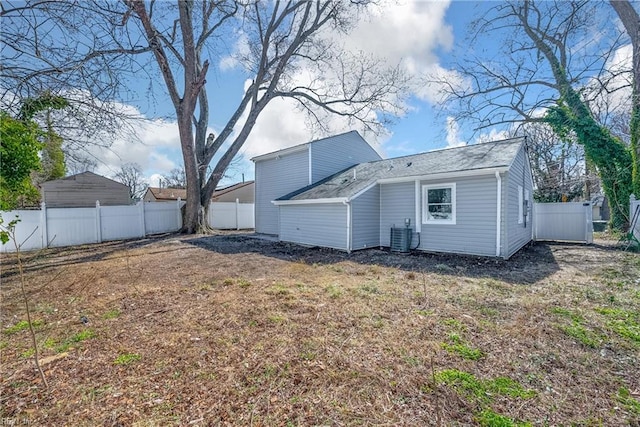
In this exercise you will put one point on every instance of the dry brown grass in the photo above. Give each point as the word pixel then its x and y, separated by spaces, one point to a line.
pixel 234 331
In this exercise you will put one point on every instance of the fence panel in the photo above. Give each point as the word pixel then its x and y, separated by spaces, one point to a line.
pixel 230 215
pixel 563 221
pixel 120 222
pixel 77 226
pixel 634 213
pixel 71 226
pixel 162 217
pixel 28 230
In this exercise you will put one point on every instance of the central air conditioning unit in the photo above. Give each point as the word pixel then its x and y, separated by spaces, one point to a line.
pixel 401 237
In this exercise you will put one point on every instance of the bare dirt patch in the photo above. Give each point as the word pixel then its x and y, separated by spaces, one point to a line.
pixel 233 330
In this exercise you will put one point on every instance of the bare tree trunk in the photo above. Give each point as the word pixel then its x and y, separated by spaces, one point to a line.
pixel 631 21
pixel 608 154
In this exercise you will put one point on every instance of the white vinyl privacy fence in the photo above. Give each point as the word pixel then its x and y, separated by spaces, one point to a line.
pixel 571 222
pixel 634 214
pixel 48 227
pixel 231 215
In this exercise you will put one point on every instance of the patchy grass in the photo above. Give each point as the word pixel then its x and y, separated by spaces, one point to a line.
pixel 625 323
pixel 488 418
pixel 228 331
pixel 127 359
pixel 577 329
pixel 483 391
pixel 112 314
pixel 22 325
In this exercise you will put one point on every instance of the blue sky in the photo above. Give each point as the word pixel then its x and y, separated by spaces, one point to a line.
pixel 420 33
pixel 424 35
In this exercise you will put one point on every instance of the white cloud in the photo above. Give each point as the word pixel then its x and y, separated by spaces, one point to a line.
pixel 407 32
pixel 147 149
pixel 453 133
pixel 404 30
pixel 240 50
pixel 493 135
pixel 282 125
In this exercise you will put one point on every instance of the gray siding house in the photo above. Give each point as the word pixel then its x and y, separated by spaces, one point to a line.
pixel 474 200
pixel 285 171
pixel 83 190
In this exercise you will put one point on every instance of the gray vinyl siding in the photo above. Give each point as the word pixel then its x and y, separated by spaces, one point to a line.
pixel 276 177
pixel 475 229
pixel 83 190
pixel 315 224
pixel 396 204
pixel 337 153
pixel 365 220
pixel 517 235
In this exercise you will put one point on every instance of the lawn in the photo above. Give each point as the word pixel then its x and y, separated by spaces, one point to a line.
pixel 231 330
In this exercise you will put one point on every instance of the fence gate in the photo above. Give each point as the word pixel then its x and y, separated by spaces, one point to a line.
pixel 571 222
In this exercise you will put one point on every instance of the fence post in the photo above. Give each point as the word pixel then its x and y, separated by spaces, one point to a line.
pixel 179 214
pixel 98 223
pixel 588 223
pixel 143 225
pixel 44 236
pixel 237 214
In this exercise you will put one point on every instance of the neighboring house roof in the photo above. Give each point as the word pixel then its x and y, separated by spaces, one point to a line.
pixel 83 190
pixel 300 147
pixel 168 193
pixel 82 177
pixel 175 193
pixel 466 160
pixel 224 190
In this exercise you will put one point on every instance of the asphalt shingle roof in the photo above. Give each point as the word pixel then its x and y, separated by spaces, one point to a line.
pixel 351 181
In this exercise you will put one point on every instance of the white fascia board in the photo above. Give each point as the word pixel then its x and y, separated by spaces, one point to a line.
pixel 310 201
pixel 279 153
pixel 444 175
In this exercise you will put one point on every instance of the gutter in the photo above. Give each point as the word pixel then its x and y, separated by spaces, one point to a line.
pixel 498 212
pixel 311 201
pixel 444 175
pixel 348 205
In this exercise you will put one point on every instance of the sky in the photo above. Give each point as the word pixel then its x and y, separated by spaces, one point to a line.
pixel 423 35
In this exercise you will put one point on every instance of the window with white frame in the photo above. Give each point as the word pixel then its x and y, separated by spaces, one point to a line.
pixel 439 204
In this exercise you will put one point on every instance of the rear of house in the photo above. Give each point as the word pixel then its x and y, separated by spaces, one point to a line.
pixel 285 171
pixel 470 200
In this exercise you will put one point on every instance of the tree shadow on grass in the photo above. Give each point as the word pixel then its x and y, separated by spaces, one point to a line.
pixel 531 264
pixel 34 261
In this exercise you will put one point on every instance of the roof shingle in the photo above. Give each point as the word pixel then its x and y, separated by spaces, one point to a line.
pixel 351 181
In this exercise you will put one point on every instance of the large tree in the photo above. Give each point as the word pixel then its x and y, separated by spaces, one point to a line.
pixel 631 21
pixel 27 151
pixel 291 49
pixel 549 65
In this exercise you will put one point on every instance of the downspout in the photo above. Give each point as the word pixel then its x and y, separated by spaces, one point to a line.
pixel 310 167
pixel 348 226
pixel 498 213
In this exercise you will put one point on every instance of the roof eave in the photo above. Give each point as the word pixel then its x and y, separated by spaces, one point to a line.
pixel 445 175
pixel 282 152
pixel 310 201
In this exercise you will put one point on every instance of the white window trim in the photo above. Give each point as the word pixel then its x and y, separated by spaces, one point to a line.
pixel 520 204
pixel 425 202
